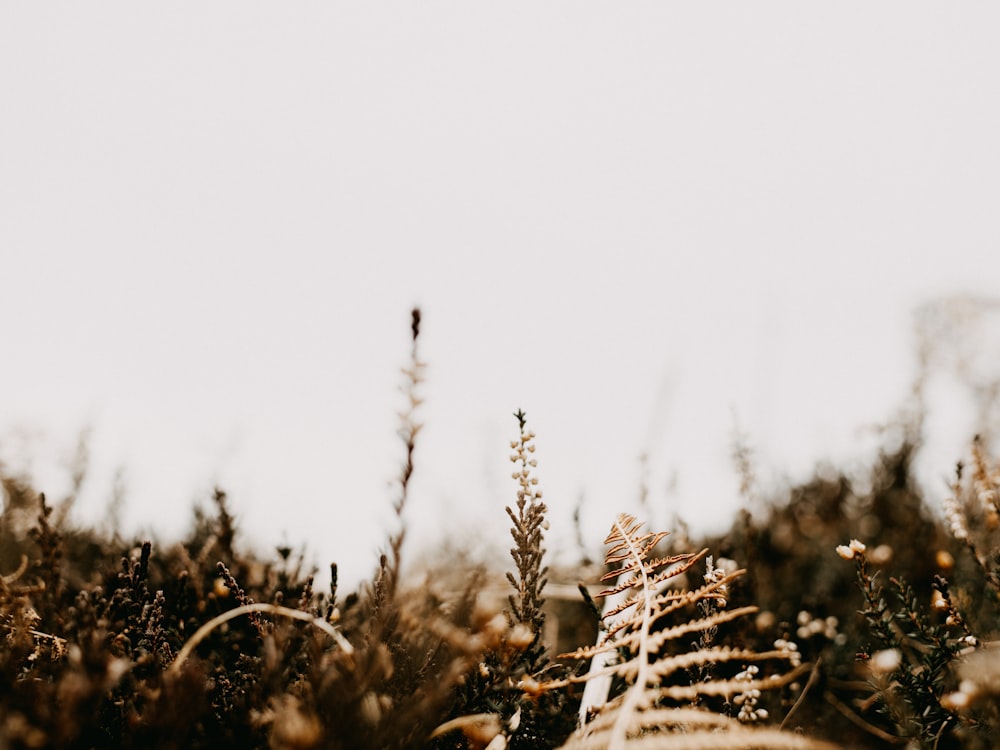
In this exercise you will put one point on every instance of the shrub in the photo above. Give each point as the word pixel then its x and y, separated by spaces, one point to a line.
pixel 755 638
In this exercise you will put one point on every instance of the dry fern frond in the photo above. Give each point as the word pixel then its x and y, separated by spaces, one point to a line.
pixel 658 709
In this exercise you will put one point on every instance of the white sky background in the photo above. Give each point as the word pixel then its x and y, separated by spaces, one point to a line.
pixel 632 220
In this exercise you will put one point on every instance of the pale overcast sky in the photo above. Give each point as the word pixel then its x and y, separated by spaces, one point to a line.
pixel 639 222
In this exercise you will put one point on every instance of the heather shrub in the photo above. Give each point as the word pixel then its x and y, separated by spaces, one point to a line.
pixel 841 612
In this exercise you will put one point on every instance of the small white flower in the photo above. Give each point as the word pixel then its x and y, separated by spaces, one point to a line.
pixel 848 551
pixel 956 701
pixel 515 721
pixel 881 555
pixel 944 560
pixel 885 661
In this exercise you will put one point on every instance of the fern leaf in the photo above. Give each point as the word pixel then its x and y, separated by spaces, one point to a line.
pixel 655 710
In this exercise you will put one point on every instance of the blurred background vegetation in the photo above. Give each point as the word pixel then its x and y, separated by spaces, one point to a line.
pixel 93 619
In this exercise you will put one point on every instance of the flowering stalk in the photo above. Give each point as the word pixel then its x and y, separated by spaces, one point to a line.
pixel 527 530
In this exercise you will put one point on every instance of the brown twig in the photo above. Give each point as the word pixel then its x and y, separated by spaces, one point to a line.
pixel 858 721
pixel 813 676
pixel 246 609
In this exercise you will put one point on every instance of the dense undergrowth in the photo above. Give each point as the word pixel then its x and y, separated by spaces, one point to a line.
pixel 847 613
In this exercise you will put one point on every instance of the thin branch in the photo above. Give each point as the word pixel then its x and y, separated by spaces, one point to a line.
pixel 273 609
pixel 813 676
pixel 858 721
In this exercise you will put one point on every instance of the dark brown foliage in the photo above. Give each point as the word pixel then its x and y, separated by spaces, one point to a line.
pixel 202 643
